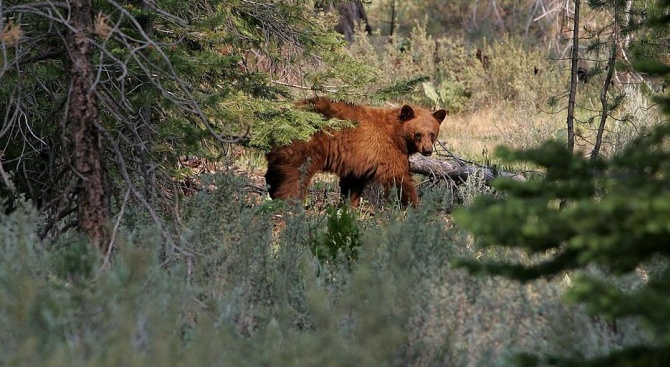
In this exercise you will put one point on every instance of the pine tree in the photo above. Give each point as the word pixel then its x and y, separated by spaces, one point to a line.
pixel 161 79
pixel 614 224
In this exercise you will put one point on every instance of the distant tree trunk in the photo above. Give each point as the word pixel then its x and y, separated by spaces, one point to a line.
pixel 352 13
pixel 616 50
pixel 83 119
pixel 603 99
pixel 393 16
pixel 573 79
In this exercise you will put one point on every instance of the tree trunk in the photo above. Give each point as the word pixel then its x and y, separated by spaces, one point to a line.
pixel 573 80
pixel 88 159
pixel 603 101
pixel 352 13
pixel 606 85
pixel 393 17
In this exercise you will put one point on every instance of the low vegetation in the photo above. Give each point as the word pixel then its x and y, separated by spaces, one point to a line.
pixel 249 289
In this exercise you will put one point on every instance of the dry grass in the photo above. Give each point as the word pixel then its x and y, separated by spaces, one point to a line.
pixel 471 136
pixel 475 136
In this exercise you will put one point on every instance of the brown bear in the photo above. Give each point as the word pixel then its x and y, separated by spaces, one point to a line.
pixel 376 149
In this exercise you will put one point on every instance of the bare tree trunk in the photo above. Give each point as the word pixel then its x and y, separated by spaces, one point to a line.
pixel 603 97
pixel 88 159
pixel 573 79
pixel 610 73
pixel 393 16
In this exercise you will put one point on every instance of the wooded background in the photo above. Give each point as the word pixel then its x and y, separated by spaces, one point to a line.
pixel 105 105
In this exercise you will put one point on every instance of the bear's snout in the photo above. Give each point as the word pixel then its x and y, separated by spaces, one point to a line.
pixel 427 153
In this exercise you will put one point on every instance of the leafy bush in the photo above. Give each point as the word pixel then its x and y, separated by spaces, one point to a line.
pixel 458 81
pixel 341 240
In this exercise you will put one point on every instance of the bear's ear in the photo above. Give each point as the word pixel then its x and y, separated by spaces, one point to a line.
pixel 440 115
pixel 406 113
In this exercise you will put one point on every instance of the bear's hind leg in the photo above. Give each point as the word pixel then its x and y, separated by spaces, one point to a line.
pixel 286 181
pixel 282 182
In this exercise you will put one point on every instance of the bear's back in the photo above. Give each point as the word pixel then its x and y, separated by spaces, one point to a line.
pixel 371 144
pixel 363 115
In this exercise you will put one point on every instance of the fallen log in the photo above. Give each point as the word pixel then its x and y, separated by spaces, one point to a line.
pixel 455 169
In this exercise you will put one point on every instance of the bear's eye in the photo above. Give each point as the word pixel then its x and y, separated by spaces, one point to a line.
pixel 417 136
pixel 432 137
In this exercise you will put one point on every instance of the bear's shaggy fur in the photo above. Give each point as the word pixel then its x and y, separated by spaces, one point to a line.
pixel 377 149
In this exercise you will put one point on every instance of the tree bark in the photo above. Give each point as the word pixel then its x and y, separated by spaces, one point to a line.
pixel 83 119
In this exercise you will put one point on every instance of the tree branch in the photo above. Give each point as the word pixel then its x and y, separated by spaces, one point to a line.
pixel 456 169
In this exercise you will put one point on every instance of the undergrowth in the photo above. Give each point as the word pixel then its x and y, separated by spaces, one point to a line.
pixel 248 290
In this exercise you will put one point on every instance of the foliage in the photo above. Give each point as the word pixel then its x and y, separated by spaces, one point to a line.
pixel 167 80
pixel 603 222
pixel 457 80
pixel 518 74
pixel 610 216
pixel 247 290
pixel 473 20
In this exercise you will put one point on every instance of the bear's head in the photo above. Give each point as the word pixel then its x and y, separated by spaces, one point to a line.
pixel 419 128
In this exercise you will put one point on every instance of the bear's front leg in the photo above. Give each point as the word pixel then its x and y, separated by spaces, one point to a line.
pixel 406 190
pixel 409 194
pixel 351 187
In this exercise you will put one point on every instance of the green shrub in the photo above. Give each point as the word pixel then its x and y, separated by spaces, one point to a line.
pixel 341 240
pixel 457 80
pixel 602 222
